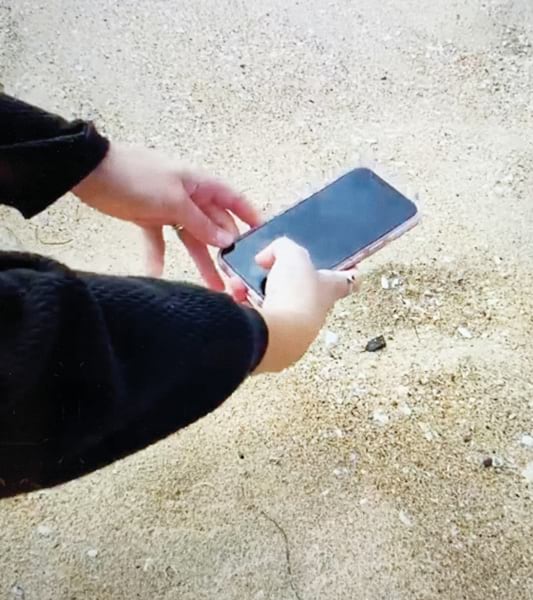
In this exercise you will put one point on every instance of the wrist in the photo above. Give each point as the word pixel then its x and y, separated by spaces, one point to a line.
pixel 94 184
pixel 289 337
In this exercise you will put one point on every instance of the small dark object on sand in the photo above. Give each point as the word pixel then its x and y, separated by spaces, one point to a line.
pixel 375 344
pixel 488 462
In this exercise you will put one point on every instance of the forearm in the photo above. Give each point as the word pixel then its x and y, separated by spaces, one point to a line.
pixel 289 335
pixel 93 368
pixel 43 156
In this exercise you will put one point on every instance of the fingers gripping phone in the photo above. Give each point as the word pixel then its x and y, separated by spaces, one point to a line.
pixel 340 225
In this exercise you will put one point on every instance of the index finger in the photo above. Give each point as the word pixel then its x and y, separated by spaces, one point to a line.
pixel 203 261
pixel 202 227
pixel 206 191
pixel 239 206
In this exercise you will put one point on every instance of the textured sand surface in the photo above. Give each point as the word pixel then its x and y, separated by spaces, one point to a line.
pixel 354 476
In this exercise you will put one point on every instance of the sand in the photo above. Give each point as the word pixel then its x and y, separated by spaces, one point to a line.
pixel 354 476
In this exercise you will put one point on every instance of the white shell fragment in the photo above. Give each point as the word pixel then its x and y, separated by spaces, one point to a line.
pixel 429 434
pixel 464 332
pixel 358 390
pixel 526 440
pixel 341 471
pixel 528 472
pixel 380 417
pixel 405 518
pixel 390 283
pixel 92 553
pixel 44 530
pixel 331 339
pixel 148 564
pixel 405 410
pixel 402 391
pixel 498 462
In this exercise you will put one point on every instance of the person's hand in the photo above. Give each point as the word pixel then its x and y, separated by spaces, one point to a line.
pixel 297 301
pixel 138 185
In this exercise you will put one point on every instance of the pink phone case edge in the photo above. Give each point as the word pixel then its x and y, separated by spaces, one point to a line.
pixel 350 262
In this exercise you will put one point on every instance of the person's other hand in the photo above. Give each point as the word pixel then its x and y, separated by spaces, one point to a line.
pixel 297 300
pixel 139 185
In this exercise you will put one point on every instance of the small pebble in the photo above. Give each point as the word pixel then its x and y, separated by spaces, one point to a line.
pixel 492 461
pixel 93 553
pixel 376 344
pixel 18 592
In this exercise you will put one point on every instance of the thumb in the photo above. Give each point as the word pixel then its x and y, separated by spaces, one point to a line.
pixel 283 248
pixel 266 257
pixel 155 250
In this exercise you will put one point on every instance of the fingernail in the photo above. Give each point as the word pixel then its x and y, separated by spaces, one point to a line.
pixel 225 238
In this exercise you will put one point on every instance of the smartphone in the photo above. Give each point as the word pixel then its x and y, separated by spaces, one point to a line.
pixel 340 225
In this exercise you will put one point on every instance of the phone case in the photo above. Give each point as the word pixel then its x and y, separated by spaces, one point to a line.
pixel 257 300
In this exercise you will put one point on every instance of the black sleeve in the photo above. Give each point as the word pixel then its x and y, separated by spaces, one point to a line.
pixel 95 367
pixel 42 156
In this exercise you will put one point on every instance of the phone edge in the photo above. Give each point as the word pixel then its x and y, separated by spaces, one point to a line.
pixel 379 244
pixel 256 300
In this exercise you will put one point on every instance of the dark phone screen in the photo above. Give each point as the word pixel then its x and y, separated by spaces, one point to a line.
pixel 333 224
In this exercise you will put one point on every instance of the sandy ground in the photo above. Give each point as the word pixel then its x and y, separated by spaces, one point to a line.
pixel 354 476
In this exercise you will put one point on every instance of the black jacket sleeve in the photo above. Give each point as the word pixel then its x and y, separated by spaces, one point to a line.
pixel 42 156
pixel 95 367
